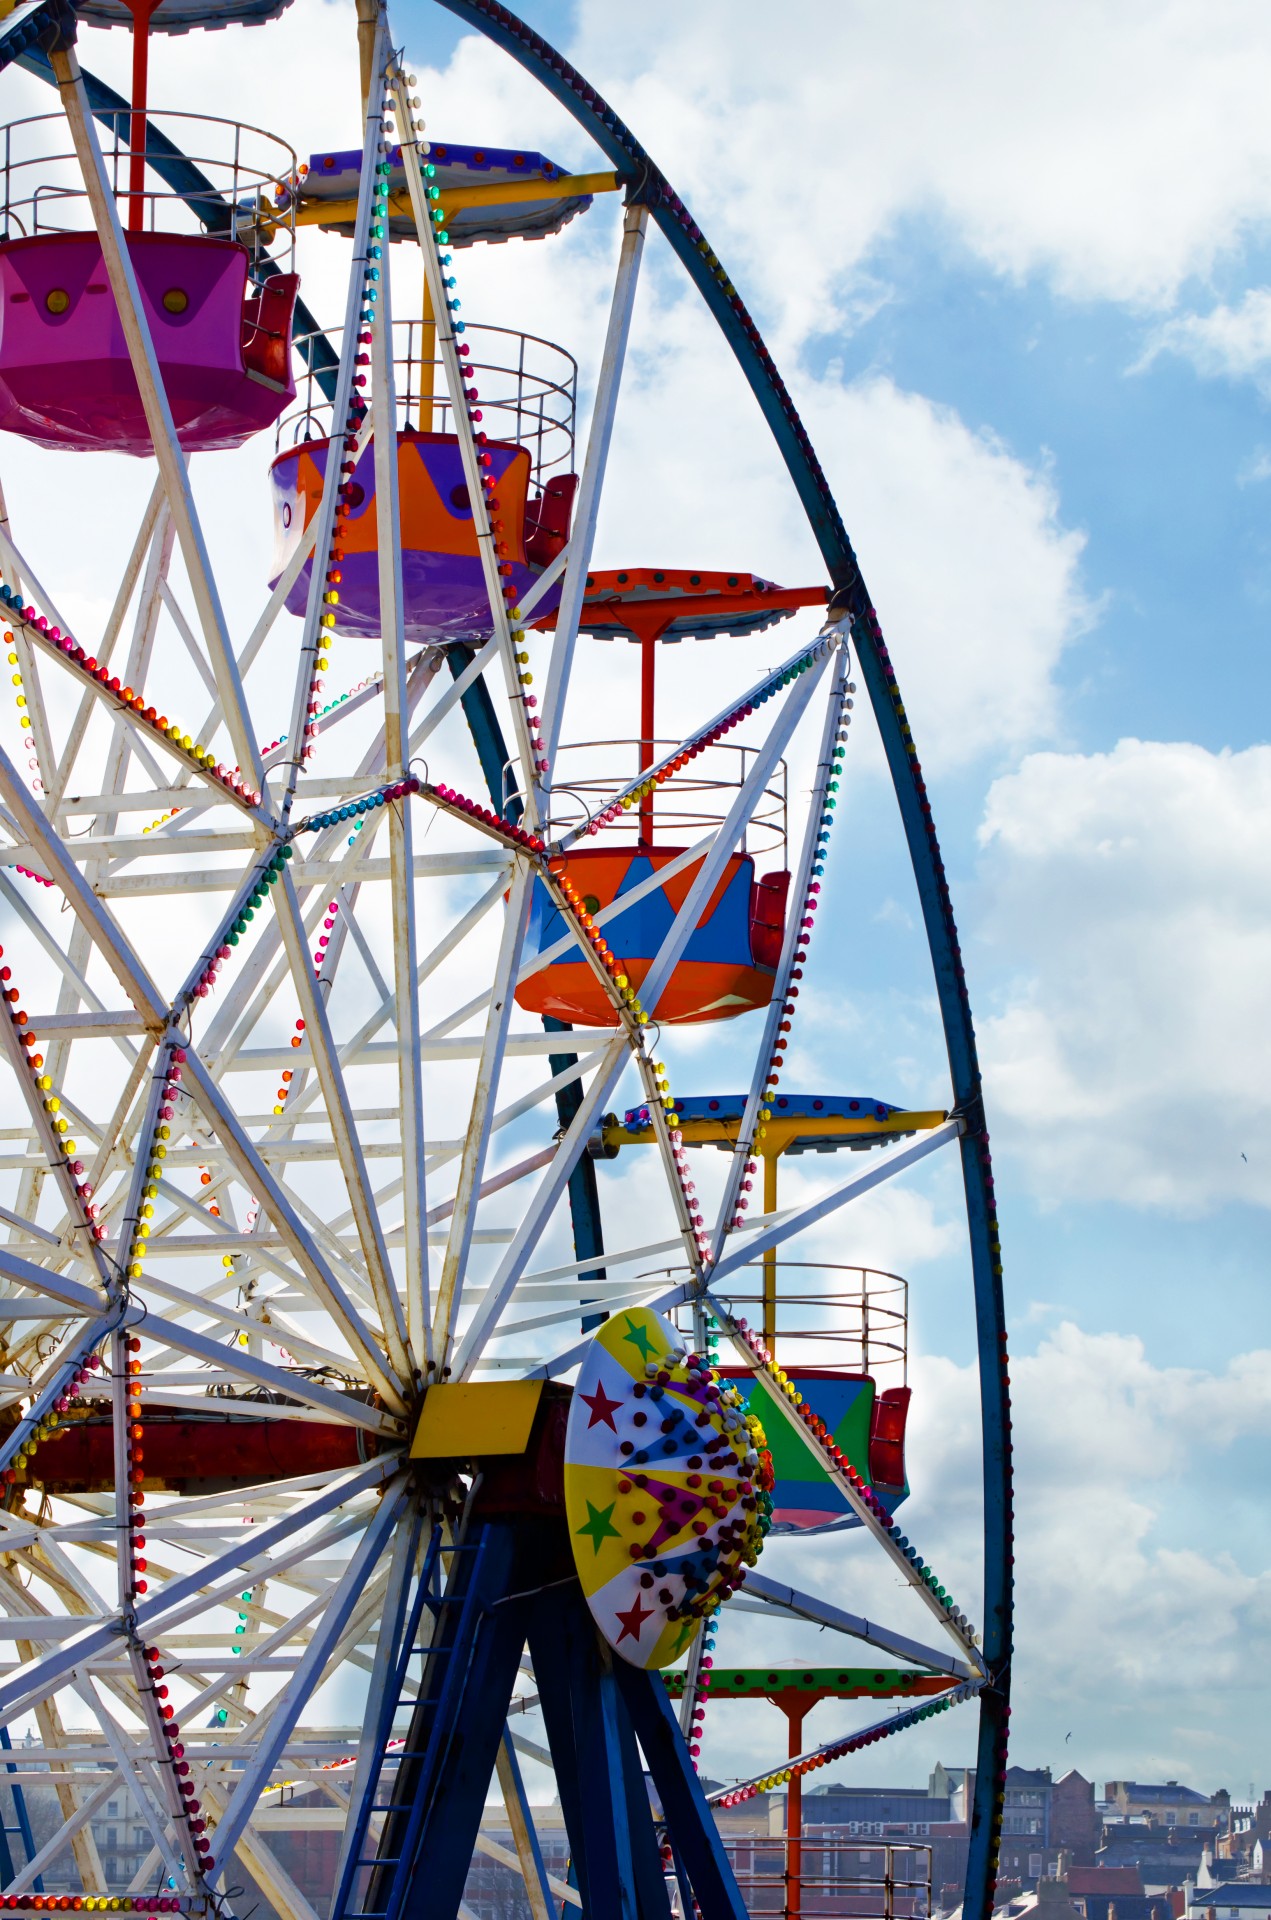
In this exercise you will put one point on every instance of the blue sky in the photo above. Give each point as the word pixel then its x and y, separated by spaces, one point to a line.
pixel 1066 336
pixel 1013 265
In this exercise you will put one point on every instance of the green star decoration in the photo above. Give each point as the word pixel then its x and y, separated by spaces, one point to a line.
pixel 638 1336
pixel 598 1526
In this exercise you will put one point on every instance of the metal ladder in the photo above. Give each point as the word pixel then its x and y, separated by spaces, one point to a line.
pixel 372 1881
pixel 21 1825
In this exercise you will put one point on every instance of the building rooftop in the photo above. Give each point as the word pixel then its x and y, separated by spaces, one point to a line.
pixel 1240 1893
pixel 1169 1794
pixel 1104 1880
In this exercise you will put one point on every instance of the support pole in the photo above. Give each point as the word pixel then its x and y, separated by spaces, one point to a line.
pixel 140 11
pixel 794 1814
pixel 648 671
pixel 427 362
pixel 770 1257
pixel 401 842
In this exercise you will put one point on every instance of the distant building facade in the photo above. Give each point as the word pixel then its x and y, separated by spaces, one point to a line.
pixel 1168 1805
pixel 1075 1824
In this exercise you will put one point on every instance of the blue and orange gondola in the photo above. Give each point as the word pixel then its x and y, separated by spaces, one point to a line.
pixel 727 968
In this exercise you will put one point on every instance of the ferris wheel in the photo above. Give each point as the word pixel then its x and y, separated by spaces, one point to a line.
pixel 344 982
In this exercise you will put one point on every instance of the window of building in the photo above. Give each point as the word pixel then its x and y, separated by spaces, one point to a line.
pixel 1193 1819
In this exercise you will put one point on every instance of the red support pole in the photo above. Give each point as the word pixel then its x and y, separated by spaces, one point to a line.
pixel 141 11
pixel 648 661
pixel 794 1816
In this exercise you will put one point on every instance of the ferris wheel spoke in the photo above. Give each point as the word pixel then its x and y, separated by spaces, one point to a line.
pixel 322 1052
pixel 844 1477
pixel 452 695
pixel 635 223
pixel 771 1232
pixel 837 704
pixel 772 1597
pixel 545 1200
pixel 237 1363
pixel 106 935
pixel 259 1179
pixel 131 1771
pixel 477 1140
pixel 171 460
pixel 481 495
pixel 192 1594
pixel 613 1299
pixel 607 1076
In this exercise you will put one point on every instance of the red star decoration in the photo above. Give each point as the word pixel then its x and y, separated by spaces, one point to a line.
pixel 601 1408
pixel 633 1621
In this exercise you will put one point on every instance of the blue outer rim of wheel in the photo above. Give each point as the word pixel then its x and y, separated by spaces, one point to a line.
pixel 649 187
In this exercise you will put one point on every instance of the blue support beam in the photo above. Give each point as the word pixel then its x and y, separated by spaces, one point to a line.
pixel 680 1793
pixel 512 1584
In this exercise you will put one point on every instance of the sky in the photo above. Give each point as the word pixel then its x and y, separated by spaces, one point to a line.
pixel 1013 264
pixel 1015 267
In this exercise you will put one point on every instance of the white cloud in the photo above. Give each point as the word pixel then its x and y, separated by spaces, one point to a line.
pixel 1118 149
pixel 975 574
pixel 1132 1645
pixel 1233 342
pixel 1129 1058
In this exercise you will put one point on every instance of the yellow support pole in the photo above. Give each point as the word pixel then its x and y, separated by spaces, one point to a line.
pixel 427 363
pixel 566 186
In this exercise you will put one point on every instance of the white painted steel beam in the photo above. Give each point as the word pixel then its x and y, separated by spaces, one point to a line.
pixel 635 223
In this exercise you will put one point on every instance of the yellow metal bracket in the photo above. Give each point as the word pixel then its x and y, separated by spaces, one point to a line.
pixel 567 186
pixel 779 1133
pixel 467 1419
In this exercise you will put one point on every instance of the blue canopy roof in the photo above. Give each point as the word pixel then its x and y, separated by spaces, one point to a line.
pixel 335 176
pixel 178 16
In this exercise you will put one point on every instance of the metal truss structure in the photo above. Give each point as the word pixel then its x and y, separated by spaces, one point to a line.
pixel 281 1154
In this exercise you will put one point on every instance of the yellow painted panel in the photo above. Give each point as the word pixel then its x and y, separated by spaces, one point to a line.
pixel 476 1417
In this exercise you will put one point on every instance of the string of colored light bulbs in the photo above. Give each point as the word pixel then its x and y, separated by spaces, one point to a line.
pixel 332 706
pixel 764 690
pixel 102 1903
pixel 806 914
pixel 344 447
pixel 471 397
pixel 64 648
pixel 24 716
pixel 147 1661
pixel 56 1405
pixel 836 1463
pixel 609 968
pixel 836 1749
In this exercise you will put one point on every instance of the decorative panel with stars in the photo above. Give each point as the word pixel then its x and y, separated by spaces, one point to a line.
pixel 667 1487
